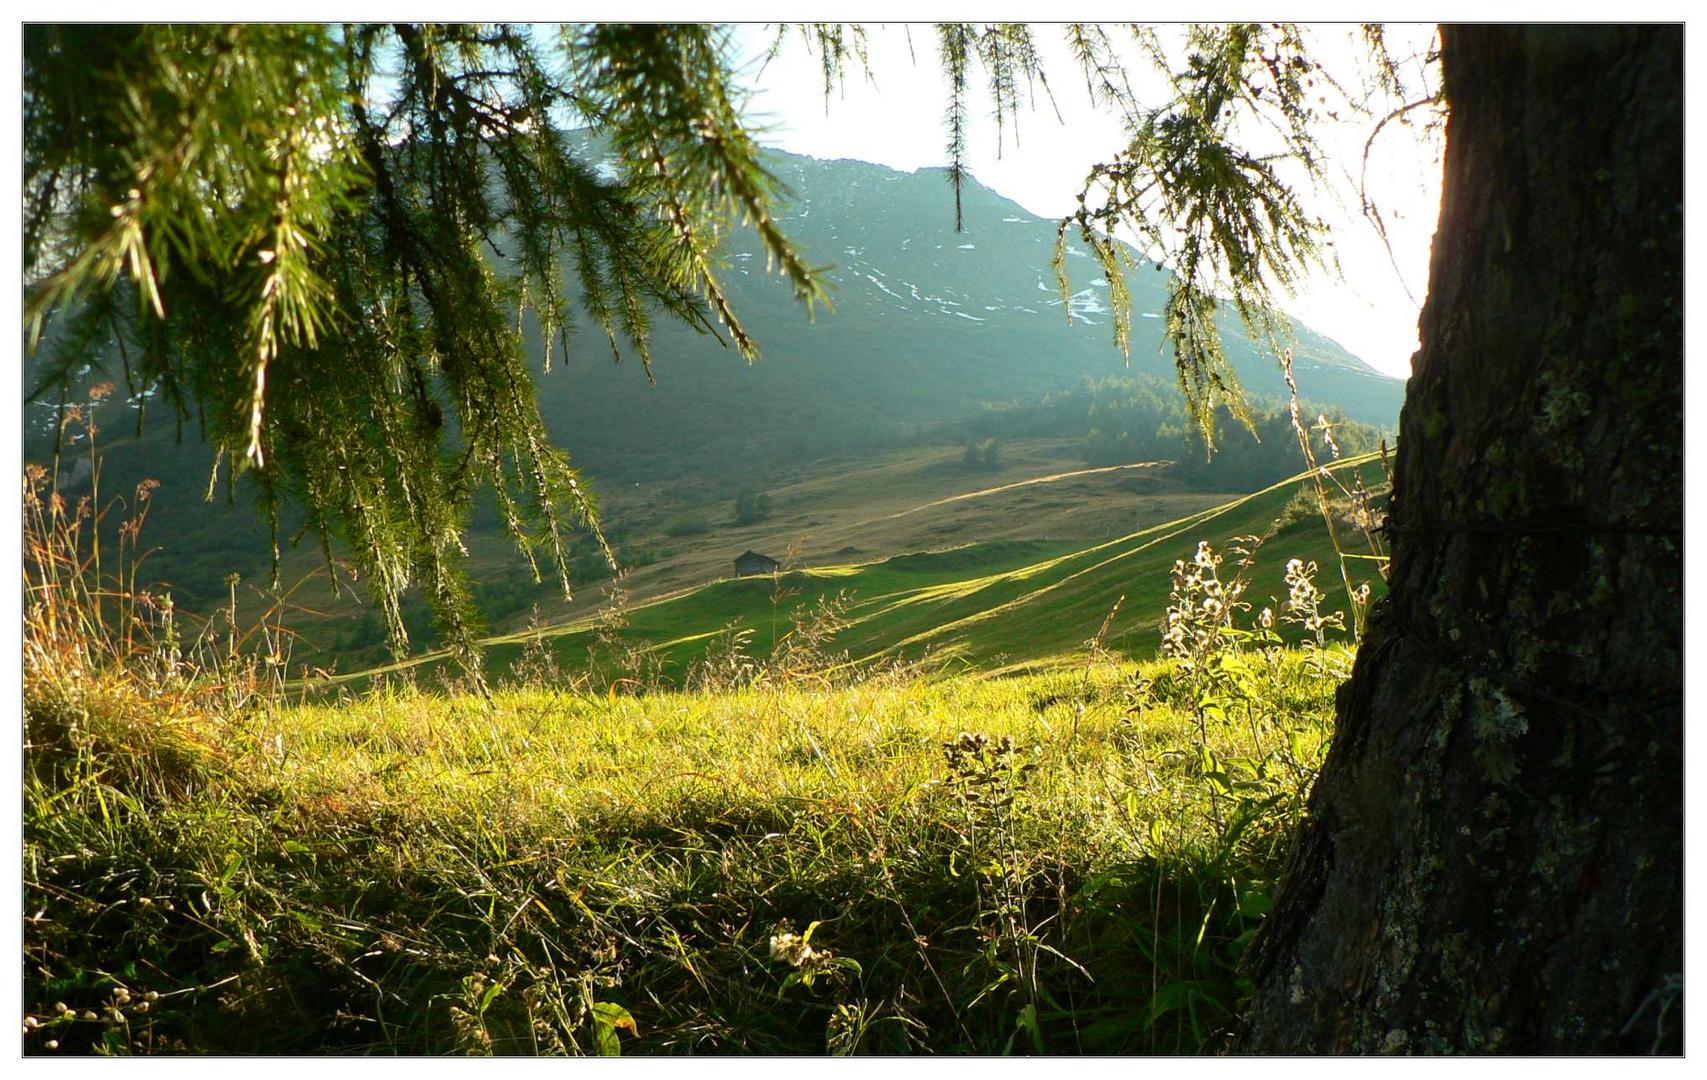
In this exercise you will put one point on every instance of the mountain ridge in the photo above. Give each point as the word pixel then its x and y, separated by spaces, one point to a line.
pixel 931 328
pixel 927 325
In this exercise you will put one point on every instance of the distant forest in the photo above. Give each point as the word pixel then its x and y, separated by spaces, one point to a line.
pixel 1125 419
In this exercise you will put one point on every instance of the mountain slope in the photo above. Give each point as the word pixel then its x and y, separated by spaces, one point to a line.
pixel 986 604
pixel 928 324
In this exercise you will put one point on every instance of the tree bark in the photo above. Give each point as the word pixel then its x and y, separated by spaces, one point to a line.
pixel 1493 860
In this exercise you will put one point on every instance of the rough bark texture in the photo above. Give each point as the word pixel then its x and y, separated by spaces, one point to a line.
pixel 1494 859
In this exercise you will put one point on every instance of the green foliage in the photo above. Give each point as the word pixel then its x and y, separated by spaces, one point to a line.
pixel 1066 861
pixel 989 604
pixel 751 506
pixel 332 246
pixel 1206 203
pixel 332 271
pixel 1140 418
pixel 984 454
pixel 1208 179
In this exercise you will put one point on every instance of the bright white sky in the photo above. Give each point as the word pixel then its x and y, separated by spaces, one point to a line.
pixel 897 121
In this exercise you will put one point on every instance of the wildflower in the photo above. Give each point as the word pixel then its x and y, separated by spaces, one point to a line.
pixel 795 951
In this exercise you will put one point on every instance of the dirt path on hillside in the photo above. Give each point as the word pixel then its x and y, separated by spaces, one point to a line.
pixel 1017 484
pixel 879 535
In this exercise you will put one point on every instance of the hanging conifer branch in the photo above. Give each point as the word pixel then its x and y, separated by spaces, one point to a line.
pixel 394 239
pixel 262 216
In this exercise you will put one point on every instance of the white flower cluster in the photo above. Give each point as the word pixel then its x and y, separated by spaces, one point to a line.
pixel 1304 602
pixel 1201 607
pixel 794 950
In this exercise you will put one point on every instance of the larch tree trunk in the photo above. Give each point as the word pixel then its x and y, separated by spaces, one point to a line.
pixel 1494 856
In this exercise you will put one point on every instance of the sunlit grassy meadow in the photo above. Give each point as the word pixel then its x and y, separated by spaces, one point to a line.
pixel 801 845
pixel 980 606
pixel 1047 862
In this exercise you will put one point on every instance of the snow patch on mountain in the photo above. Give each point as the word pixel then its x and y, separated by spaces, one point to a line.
pixel 888 290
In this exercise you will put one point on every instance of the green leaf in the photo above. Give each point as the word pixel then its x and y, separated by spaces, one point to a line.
pixel 1027 1022
pixel 848 963
pixel 1207 761
pixel 1295 743
pixel 608 1017
pixel 1173 996
pixel 1255 904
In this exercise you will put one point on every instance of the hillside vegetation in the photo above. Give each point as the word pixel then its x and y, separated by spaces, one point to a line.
pixel 884 860
pixel 986 605
pixel 934 333
pixel 1025 795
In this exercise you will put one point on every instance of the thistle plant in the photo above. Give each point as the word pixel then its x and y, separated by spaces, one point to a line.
pixel 1303 608
pixel 1201 636
pixel 808 961
pixel 1199 624
pixel 1363 513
